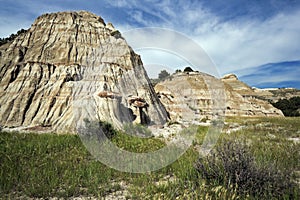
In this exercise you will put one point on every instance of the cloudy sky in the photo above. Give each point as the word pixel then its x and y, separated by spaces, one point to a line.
pixel 239 36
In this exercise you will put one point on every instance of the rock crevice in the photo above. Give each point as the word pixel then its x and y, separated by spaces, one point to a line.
pixel 68 58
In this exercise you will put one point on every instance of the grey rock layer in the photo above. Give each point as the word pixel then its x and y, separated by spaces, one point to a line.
pixel 51 75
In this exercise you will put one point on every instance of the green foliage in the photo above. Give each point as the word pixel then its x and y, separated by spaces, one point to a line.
pixel 98 128
pixel 178 71
pixel 163 75
pixel 290 107
pixel 188 69
pixel 232 164
pixel 50 165
pixel 136 144
pixel 11 37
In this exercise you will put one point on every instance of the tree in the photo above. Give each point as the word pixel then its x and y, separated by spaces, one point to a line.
pixel 21 31
pixel 188 69
pixel 178 71
pixel 163 75
pixel 289 107
pixel 11 37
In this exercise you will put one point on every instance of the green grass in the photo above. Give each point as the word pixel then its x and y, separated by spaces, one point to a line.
pixel 46 165
pixel 50 165
pixel 270 139
pixel 137 144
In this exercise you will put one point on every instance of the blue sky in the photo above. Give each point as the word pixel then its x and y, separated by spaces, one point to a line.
pixel 237 35
pixel 272 75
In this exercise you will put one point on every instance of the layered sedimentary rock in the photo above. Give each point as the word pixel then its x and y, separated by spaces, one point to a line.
pixel 53 75
pixel 197 96
pixel 275 94
pixel 268 94
pixel 237 85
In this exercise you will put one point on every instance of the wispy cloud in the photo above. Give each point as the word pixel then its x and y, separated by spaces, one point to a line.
pixel 282 74
pixel 169 48
pixel 251 43
pixel 249 38
pixel 235 33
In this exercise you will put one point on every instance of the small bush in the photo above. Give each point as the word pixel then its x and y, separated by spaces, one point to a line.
pixel 163 75
pixel 232 164
pixel 98 128
pixel 188 69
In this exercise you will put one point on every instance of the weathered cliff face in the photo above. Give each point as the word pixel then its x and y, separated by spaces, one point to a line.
pixel 52 75
pixel 237 85
pixel 275 94
pixel 268 94
pixel 187 96
pixel 193 94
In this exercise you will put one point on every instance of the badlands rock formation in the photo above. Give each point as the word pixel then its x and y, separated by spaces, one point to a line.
pixel 69 66
pixel 198 96
pixel 268 94
pixel 237 85
pixel 275 94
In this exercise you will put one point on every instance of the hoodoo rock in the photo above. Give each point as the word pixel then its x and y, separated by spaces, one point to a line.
pixel 69 66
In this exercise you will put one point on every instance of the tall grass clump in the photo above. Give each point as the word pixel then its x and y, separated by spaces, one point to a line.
pixel 232 165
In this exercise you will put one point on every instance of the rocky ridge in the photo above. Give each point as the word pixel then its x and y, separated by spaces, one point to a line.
pixel 188 95
pixel 72 65
pixel 270 94
pixel 52 74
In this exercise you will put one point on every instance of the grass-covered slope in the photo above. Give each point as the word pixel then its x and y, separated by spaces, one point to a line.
pixel 45 165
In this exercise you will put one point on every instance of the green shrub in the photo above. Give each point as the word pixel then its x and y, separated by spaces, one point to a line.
pixel 289 107
pixel 232 164
pixel 188 69
pixel 98 128
pixel 163 75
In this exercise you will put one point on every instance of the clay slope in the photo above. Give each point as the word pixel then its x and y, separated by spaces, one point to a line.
pixel 195 94
pixel 69 66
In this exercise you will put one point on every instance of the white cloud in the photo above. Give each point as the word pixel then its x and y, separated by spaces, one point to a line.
pixel 120 3
pixel 169 48
pixel 156 60
pixel 13 21
pixel 233 44
pixel 252 43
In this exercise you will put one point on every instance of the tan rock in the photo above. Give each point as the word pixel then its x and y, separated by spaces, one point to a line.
pixel 197 96
pixel 237 85
pixel 52 75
